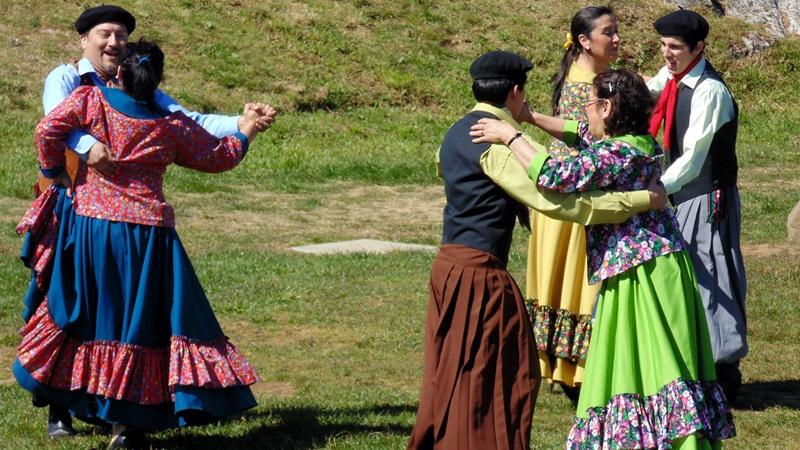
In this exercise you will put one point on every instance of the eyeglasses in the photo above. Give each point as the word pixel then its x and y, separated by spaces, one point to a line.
pixel 592 102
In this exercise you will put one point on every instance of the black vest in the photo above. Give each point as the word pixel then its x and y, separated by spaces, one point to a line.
pixel 478 214
pixel 720 168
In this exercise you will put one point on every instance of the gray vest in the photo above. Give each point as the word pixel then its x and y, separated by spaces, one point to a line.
pixel 720 168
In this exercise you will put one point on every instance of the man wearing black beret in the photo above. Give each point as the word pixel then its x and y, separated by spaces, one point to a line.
pixel 481 372
pixel 103 32
pixel 700 121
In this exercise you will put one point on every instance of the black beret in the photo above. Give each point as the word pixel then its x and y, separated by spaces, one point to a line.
pixel 683 23
pixel 499 64
pixel 104 14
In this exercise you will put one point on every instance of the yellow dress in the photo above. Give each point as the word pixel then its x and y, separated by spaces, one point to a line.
pixel 559 295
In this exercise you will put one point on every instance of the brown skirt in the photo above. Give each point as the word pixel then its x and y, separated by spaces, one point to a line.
pixel 480 375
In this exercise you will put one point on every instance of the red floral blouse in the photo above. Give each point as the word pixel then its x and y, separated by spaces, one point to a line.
pixel 142 143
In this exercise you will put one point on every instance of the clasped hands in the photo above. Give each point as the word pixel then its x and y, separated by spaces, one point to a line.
pixel 258 115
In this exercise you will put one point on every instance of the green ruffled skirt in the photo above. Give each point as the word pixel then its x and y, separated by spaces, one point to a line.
pixel 650 380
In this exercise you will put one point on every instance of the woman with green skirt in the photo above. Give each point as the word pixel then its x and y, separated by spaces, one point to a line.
pixel 649 379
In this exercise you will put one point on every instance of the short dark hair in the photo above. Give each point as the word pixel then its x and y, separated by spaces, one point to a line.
pixel 690 41
pixel 142 71
pixel 632 101
pixel 495 90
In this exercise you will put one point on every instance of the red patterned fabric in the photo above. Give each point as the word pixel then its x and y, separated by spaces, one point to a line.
pixel 120 371
pixel 141 148
pixel 40 221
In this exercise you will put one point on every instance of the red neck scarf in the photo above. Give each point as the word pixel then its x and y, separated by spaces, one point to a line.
pixel 665 108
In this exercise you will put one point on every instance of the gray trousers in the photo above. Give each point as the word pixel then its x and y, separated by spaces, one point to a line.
pixel 717 257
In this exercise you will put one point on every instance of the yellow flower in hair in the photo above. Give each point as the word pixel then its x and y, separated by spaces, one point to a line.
pixel 568 44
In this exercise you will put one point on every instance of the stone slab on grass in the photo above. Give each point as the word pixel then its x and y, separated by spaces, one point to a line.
pixel 362 246
pixel 793 230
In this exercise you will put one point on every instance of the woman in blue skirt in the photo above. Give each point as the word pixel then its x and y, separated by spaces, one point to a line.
pixel 118 329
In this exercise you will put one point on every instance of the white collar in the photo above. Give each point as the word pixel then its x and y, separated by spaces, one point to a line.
pixel 85 66
pixel 691 78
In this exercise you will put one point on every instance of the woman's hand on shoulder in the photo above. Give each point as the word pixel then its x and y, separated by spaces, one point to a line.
pixel 493 131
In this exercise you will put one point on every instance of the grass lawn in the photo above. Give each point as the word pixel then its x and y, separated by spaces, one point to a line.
pixel 366 89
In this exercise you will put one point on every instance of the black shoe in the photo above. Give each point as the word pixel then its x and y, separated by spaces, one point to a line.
pixel 39 401
pixel 730 379
pixel 572 393
pixel 132 438
pixel 59 423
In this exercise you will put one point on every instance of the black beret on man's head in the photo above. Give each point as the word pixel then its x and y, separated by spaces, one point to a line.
pixel 499 64
pixel 684 24
pixel 104 14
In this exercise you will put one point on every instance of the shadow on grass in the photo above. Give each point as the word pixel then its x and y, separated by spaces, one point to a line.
pixel 760 395
pixel 298 428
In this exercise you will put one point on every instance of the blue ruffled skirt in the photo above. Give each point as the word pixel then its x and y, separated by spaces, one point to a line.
pixel 119 329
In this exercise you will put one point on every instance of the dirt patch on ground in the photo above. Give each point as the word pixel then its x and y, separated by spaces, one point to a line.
pixel 778 181
pixel 327 339
pixel 761 177
pixel 7 355
pixel 14 207
pixel 273 389
pixel 277 221
pixel 763 250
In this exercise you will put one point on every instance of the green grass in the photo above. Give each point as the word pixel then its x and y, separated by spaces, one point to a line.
pixel 366 90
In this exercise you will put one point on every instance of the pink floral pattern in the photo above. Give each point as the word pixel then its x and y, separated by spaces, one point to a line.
pixel 679 409
pixel 613 164
pixel 142 149
pixel 561 333
pixel 121 371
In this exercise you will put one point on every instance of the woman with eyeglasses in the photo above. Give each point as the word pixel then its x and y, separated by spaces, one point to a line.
pixel 124 334
pixel 650 380
pixel 557 289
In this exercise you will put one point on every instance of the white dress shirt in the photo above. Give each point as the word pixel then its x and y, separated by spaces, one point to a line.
pixel 712 107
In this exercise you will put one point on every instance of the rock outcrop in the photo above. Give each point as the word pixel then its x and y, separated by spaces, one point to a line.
pixel 780 17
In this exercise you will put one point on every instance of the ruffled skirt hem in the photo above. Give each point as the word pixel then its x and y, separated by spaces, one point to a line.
pixel 128 372
pixel 633 421
pixel 561 333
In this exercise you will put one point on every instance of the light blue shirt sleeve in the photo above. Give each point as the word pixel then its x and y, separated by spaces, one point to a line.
pixel 57 86
pixel 216 124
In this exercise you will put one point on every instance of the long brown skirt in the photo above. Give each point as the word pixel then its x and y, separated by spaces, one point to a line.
pixel 480 375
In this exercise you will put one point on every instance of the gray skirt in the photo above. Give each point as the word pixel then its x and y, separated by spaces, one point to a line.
pixel 711 226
